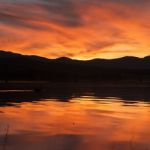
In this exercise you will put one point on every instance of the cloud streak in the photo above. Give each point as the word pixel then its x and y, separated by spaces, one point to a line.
pixel 82 29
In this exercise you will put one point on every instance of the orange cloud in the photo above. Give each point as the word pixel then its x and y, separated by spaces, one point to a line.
pixel 81 29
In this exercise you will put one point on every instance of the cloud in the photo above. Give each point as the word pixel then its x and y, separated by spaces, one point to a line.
pixel 54 11
pixel 75 28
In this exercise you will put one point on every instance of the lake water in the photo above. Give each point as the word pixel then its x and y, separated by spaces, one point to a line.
pixel 76 119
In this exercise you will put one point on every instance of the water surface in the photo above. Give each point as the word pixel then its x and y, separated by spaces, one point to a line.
pixel 67 119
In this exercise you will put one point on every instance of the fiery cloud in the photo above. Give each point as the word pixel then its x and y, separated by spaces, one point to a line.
pixel 81 29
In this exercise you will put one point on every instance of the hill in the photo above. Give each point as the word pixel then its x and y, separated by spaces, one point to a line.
pixel 15 66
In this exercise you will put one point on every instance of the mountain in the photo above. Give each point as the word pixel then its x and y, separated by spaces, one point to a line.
pixel 15 66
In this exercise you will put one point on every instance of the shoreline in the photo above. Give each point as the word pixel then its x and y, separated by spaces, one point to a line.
pixel 37 86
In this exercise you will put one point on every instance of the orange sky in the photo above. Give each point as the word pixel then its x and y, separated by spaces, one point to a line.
pixel 81 29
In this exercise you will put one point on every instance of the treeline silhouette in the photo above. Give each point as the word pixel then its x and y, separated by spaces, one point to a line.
pixel 21 67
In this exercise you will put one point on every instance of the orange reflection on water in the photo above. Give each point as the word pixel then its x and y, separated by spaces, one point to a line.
pixel 83 123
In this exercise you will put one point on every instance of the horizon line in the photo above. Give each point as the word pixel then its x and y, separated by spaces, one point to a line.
pixel 66 57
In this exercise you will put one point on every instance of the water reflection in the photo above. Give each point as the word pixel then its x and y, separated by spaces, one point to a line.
pixel 75 119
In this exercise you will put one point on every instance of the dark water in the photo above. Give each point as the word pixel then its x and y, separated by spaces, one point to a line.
pixel 76 119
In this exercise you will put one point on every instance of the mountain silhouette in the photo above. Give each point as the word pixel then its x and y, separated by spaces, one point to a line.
pixel 15 66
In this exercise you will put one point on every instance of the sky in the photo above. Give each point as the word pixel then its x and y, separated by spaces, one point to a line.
pixel 79 29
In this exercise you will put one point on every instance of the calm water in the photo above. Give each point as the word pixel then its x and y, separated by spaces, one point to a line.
pixel 74 119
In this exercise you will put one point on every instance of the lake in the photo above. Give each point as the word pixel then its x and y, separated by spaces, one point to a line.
pixel 75 119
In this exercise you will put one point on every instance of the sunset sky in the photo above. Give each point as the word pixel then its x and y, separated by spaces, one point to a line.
pixel 79 29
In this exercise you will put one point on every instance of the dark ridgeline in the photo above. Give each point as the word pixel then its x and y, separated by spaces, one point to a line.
pixel 21 67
